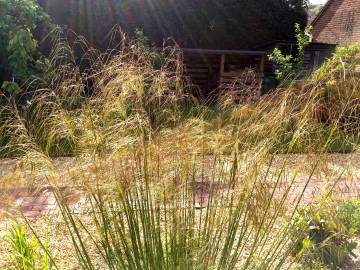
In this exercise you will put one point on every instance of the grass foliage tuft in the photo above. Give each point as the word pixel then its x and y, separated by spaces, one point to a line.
pixel 177 183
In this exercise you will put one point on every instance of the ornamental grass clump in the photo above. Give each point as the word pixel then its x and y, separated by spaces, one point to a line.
pixel 121 96
pixel 171 182
pixel 27 252
pixel 220 218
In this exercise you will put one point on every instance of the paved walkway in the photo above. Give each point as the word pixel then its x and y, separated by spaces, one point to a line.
pixel 39 202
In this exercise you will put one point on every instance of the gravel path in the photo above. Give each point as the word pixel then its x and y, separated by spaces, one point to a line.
pixel 339 173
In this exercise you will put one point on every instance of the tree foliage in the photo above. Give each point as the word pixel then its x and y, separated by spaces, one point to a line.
pixel 315 9
pixel 19 55
pixel 220 24
pixel 289 66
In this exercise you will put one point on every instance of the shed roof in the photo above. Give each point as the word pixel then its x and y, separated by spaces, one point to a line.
pixel 292 42
pixel 233 52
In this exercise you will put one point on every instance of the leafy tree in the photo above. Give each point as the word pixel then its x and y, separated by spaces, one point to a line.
pixel 19 54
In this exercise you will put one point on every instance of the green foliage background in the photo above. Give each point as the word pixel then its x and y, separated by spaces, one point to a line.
pixel 220 24
pixel 19 54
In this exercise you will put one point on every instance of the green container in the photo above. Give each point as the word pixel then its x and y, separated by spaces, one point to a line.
pixel 270 82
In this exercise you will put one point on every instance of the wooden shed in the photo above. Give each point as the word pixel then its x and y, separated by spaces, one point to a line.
pixel 315 54
pixel 213 70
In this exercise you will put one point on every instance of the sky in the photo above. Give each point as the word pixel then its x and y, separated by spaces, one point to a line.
pixel 318 1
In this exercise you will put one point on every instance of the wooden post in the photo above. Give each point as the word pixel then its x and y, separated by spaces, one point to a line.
pixel 262 69
pixel 222 67
pixel 262 64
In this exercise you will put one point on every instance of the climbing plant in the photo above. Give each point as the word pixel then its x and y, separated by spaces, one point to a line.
pixel 290 66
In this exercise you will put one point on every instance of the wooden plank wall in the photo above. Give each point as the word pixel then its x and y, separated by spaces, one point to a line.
pixel 315 55
pixel 203 71
pixel 243 76
pixel 216 72
pixel 235 66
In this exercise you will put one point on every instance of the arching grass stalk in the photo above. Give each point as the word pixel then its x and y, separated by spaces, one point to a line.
pixel 136 227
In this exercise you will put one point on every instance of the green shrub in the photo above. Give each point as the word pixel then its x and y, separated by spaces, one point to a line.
pixel 10 88
pixel 321 238
pixel 349 212
pixel 157 58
